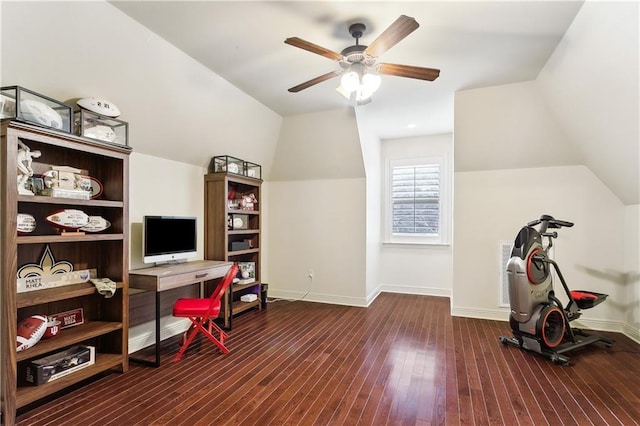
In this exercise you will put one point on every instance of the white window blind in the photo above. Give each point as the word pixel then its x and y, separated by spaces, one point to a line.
pixel 415 200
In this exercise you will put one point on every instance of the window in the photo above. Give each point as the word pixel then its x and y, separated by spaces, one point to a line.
pixel 416 201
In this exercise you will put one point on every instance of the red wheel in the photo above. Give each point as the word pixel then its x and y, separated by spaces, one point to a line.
pixel 551 326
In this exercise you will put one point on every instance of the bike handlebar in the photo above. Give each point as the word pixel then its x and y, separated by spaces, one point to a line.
pixel 549 222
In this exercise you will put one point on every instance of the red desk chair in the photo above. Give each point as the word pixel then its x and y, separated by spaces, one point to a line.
pixel 202 312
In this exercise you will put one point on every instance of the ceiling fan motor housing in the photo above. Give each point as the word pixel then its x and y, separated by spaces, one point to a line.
pixel 352 54
pixel 356 30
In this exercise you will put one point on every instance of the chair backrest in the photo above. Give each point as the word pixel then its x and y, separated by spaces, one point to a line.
pixel 224 284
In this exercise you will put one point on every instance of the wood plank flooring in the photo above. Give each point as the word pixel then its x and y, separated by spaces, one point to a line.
pixel 404 360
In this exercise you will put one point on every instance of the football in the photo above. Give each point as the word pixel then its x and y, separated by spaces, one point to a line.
pixel 96 224
pixel 30 331
pixel 100 106
pixel 100 132
pixel 38 112
pixel 68 219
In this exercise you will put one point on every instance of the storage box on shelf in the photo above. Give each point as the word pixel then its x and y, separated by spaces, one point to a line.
pixel 104 324
pixel 232 233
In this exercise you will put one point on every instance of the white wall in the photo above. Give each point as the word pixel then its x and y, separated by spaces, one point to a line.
pixel 591 85
pixel 318 226
pixel 173 103
pixel 411 268
pixel 507 127
pixel 632 270
pixel 322 145
pixel 163 187
pixel 511 123
pixel 370 145
pixel 317 202
pixel 491 206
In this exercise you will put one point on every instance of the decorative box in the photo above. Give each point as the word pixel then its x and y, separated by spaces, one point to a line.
pixel 252 170
pixel 25 105
pixel 101 128
pixel 249 297
pixel 226 164
pixel 57 365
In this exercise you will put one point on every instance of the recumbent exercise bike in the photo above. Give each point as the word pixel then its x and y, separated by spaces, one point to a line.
pixel 538 320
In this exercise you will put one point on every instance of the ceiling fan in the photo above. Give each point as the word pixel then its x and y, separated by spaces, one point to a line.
pixel 359 64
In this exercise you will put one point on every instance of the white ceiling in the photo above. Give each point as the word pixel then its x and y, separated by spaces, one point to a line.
pixel 474 44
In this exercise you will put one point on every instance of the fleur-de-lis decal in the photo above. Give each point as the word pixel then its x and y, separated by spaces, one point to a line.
pixel 47 266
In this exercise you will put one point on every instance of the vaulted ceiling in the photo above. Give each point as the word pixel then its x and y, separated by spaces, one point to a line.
pixel 474 44
pixel 590 83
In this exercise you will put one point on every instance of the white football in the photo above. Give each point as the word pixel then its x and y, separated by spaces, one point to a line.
pixel 26 223
pixel 101 132
pixel 68 219
pixel 30 331
pixel 38 112
pixel 96 224
pixel 100 106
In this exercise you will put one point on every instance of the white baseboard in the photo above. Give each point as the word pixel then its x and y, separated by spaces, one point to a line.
pixel 489 314
pixel 356 301
pixel 318 297
pixel 591 324
pixel 373 295
pixel 424 291
pixel 631 332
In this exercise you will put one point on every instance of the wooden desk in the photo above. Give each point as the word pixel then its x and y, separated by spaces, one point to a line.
pixel 170 276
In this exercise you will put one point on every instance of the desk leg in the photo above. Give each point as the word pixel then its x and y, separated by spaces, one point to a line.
pixel 156 362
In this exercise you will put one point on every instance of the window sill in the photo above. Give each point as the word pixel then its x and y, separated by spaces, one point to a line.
pixel 413 244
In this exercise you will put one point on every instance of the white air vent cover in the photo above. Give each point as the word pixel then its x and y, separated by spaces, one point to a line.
pixel 504 255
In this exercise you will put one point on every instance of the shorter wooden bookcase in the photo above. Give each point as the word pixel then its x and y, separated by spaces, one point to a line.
pixel 232 233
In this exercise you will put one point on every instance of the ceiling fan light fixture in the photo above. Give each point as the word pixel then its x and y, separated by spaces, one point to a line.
pixel 355 97
pixel 358 83
pixel 370 82
pixel 350 81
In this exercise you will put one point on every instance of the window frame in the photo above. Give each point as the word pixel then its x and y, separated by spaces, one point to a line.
pixel 442 238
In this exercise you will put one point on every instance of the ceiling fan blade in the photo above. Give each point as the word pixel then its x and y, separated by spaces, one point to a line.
pixel 402 27
pixel 313 48
pixel 409 71
pixel 314 81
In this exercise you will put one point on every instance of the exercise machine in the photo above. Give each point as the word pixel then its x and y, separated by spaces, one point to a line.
pixel 538 319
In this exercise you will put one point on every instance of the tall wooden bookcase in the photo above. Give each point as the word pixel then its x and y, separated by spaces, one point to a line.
pixel 228 231
pixel 105 324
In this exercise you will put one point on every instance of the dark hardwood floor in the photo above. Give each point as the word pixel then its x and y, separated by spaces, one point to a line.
pixel 404 360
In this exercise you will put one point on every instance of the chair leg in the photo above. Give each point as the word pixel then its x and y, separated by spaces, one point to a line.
pixel 199 327
pixel 188 340
pixel 221 333
pixel 210 336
